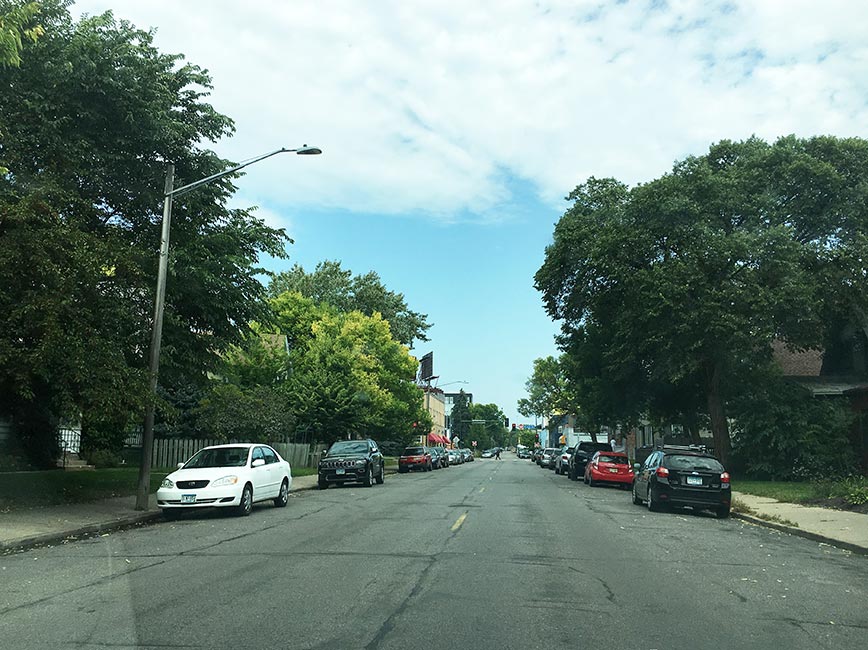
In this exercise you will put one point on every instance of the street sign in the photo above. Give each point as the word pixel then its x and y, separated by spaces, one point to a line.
pixel 473 443
pixel 521 427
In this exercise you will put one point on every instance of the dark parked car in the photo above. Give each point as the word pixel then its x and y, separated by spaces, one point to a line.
pixel 351 461
pixel 415 458
pixel 583 454
pixel 680 477
pixel 439 458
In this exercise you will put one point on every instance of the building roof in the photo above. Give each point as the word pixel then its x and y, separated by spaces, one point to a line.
pixel 797 363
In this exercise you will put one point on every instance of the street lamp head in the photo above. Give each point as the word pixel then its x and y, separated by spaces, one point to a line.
pixel 304 150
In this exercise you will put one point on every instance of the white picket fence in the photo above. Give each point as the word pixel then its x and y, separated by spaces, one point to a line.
pixel 168 452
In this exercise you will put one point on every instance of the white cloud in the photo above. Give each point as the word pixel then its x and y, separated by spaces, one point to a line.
pixel 430 107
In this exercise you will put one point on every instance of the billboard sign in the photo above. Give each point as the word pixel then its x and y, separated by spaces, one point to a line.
pixel 426 370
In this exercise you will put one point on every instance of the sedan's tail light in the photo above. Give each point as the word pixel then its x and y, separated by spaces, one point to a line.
pixel 662 472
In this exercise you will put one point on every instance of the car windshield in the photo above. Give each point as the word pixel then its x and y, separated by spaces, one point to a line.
pixel 219 457
pixel 413 451
pixel 617 460
pixel 693 463
pixel 348 447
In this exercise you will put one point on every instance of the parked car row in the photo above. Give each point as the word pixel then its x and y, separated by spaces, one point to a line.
pixel 671 476
pixel 431 458
pixel 236 476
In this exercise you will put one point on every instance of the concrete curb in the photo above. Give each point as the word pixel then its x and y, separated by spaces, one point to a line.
pixel 82 531
pixel 854 548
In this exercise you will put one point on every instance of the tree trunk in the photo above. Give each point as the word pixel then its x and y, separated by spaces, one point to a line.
pixel 717 411
pixel 692 426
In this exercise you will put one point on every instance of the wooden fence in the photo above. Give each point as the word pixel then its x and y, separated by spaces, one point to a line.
pixel 168 452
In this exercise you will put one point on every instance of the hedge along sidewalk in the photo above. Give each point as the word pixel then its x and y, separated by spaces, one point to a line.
pixel 848 530
pixel 64 523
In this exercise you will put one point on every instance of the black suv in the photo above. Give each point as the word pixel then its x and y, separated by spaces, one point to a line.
pixel 351 461
pixel 682 477
pixel 582 456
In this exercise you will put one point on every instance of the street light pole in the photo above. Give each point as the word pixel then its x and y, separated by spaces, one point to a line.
pixel 159 307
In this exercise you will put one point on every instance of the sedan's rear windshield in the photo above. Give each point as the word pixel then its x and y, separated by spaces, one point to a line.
pixel 693 462
pixel 413 451
pixel 617 460
pixel 348 447
pixel 222 457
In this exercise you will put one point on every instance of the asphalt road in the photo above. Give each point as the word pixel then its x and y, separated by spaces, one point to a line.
pixel 493 554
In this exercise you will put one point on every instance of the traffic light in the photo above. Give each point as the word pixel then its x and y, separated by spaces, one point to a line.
pixel 513 426
pixel 506 423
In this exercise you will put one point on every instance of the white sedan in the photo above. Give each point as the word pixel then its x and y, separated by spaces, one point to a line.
pixel 227 476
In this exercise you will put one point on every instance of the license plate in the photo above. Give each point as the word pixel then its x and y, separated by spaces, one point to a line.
pixel 340 471
pixel 188 498
pixel 614 470
pixel 694 480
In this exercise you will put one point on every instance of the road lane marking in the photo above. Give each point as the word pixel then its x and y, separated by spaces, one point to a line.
pixel 458 523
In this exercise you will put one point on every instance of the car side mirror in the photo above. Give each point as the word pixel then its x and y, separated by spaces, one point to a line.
pixel 180 465
pixel 259 462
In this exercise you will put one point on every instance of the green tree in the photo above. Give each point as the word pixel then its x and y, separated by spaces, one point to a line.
pixel 527 438
pixel 490 430
pixel 460 416
pixel 692 275
pixel 348 376
pixel 17 27
pixel 88 120
pixel 330 284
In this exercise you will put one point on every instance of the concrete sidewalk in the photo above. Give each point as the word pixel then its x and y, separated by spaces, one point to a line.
pixel 839 528
pixel 63 523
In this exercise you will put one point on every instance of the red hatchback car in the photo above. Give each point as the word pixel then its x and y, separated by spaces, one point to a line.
pixel 609 467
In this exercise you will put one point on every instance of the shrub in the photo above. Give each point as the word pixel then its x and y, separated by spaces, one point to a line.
pixel 103 458
pixel 783 433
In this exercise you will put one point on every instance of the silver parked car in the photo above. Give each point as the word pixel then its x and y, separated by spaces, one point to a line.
pixel 547 457
pixel 562 460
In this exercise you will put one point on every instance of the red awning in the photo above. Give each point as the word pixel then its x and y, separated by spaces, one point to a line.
pixel 440 440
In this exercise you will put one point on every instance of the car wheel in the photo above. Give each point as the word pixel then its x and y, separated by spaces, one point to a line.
pixel 585 479
pixel 591 481
pixel 369 477
pixel 170 514
pixel 636 500
pixel 381 478
pixel 282 496
pixel 722 512
pixel 245 507
pixel 574 476
pixel 322 484
pixel 653 506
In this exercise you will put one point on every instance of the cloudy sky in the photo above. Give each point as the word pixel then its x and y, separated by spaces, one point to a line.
pixel 452 130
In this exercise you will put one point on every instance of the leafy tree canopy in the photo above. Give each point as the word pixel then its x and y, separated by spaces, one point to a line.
pixel 88 122
pixel 330 284
pixel 692 275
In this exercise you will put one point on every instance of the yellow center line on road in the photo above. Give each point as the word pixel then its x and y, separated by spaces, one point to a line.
pixel 458 523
